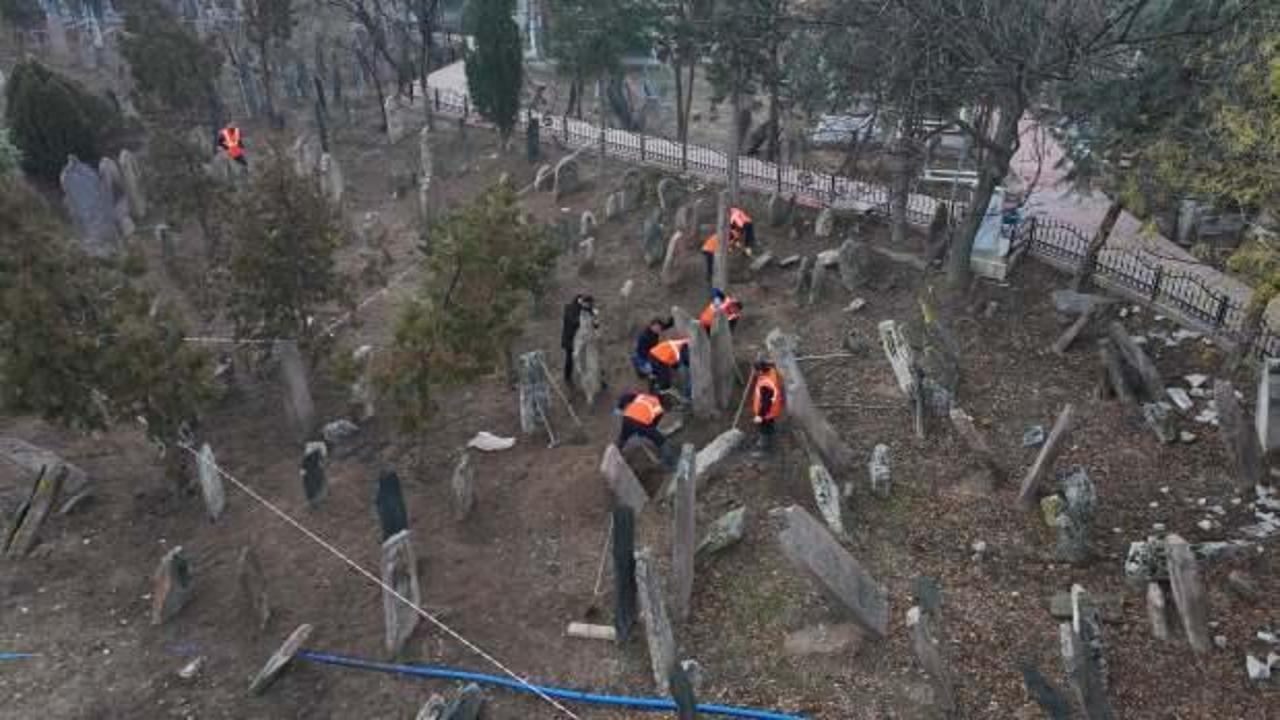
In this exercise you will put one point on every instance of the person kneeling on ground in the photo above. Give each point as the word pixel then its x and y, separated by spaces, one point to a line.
pixel 730 306
pixel 667 359
pixel 641 413
pixel 767 401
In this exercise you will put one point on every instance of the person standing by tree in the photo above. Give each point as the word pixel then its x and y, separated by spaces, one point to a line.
pixel 569 328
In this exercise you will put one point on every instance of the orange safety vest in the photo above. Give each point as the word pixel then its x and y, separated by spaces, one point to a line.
pixel 667 352
pixel 711 243
pixel 231 140
pixel 645 409
pixel 768 379
pixel 739 217
pixel 732 311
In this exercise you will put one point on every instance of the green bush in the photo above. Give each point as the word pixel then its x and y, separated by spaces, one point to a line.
pixel 52 116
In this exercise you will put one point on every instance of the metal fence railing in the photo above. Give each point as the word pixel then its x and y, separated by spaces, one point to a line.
pixel 1183 295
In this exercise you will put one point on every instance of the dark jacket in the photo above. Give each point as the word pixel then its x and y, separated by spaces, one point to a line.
pixel 648 338
pixel 570 323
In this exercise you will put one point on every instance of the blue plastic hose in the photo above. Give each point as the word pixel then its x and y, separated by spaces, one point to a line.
pixel 15 656
pixel 432 671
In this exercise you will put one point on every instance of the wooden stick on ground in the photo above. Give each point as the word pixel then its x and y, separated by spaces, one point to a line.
pixel 1044 461
pixel 1064 341
pixel 563 398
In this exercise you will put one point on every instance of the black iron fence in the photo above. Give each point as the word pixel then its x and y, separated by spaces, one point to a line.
pixel 1184 295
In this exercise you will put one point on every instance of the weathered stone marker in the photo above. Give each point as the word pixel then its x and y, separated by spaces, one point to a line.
pixel 171 586
pixel 723 366
pixel 855 264
pixel 622 481
pixel 1157 612
pixel 566 178
pixel 1048 453
pixel 651 239
pixel 400 571
pixel 1073 522
pixel 131 180
pixel 463 485
pixel 1240 441
pixel 624 572
pixel 393 517
pixel 253 586
pixel 726 531
pixel 702 380
pixel 825 224
pixel 827 496
pixel 685 530
pixel 898 351
pixel 215 499
pixel 878 471
pixel 32 459
pixel 1082 654
pixel 929 651
pixel 671 262
pixel 814 550
pixel 714 453
pixel 657 626
pixel 586 358
pixel 1134 357
pixel 1267 417
pixel 800 406
pixel 279 660
pixel 298 404
pixel 315 481
pixel 963 424
pixel 24 529
pixel 1189 594
pixel 535 393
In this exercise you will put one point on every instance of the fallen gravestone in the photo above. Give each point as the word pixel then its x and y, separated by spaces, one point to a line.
pixel 814 550
pixel 535 393
pixel 171 586
pixel 215 499
pixel 726 531
pixel 393 518
pixel 827 497
pixel 279 660
pixel 657 626
pixel 315 482
pixel 400 573
pixel 253 585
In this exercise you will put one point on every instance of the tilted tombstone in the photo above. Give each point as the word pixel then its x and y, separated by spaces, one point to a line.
pixel 1189 593
pixel 331 182
pixel 90 208
pixel 535 393
pixel 879 471
pixel 1073 522
pixel 621 480
pixel 463 485
pixel 900 357
pixel 362 390
pixel 671 263
pixel 812 549
pixel 624 572
pixel 1081 646
pixel 32 459
pixel 685 541
pixel 399 572
pixel 253 585
pixel 825 225
pixel 612 206
pixel 827 496
pixel 723 366
pixel 657 625
pixel 670 193
pixel 586 358
pixel 725 532
pixel 632 190
pixel 298 404
pixel 279 660
pixel 393 517
pixel 586 256
pixel 701 371
pixel 652 240
pixel 854 263
pixel 171 586
pixel 586 224
pixel 315 483
pixel 215 499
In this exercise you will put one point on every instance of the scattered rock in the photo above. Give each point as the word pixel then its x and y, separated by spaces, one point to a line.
pixel 1033 437
pixel 1187 437
pixel 488 442
pixel 191 669
pixel 855 305
pixel 723 534
pixel 1257 669
pixel 1196 381
pixel 1180 398
pixel 1242 586
pixel 1220 641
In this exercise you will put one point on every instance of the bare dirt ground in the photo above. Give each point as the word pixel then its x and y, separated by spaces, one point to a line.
pixel 511 577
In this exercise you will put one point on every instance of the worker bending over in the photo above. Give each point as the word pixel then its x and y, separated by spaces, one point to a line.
pixel 742 236
pixel 650 336
pixel 767 401
pixel 730 306
pixel 666 360
pixel 230 142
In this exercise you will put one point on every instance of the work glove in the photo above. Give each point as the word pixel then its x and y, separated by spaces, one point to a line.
pixel 757 420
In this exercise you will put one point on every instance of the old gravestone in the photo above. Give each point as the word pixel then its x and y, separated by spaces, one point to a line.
pixel 683 546
pixel 723 366
pixel 800 406
pixel 900 357
pixel 1081 646
pixel 670 193
pixel 827 497
pixel 825 225
pixel 1080 499
pixel 215 499
pixel 879 472
pixel 1267 420
pixel 253 585
pixel 632 191
pixel 1240 441
pixel 854 262
pixel 1189 593
pixel 393 517
pixel 613 206
pixel 131 178
pixel 657 626
pixel 726 531
pixel 21 534
pixel 813 550
pixel 671 262
pixel 586 224
pixel 652 239
pixel 624 572
pixel 362 390
pixel 400 572
pixel 315 483
pixel 586 256
pixel 567 175
pixel 32 459
pixel 463 485
pixel 331 182
pixel 701 372
pixel 90 208
pixel 930 652
pixel 279 660
pixel 586 358
pixel 535 393
pixel 298 405
pixel 171 586
pixel 622 481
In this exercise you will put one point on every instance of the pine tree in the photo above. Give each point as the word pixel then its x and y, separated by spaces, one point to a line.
pixel 495 69
pixel 52 116
pixel 175 72
pixel 10 156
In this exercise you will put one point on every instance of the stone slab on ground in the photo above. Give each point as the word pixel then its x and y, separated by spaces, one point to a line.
pixel 279 660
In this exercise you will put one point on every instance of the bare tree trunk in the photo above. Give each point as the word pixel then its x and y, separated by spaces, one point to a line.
pixel 1001 151
pixel 900 190
pixel 733 148
pixel 370 65
pixel 1084 271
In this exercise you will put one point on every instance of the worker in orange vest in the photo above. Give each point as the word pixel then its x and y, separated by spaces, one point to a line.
pixel 731 307
pixel 767 401
pixel 742 236
pixel 229 140
pixel 666 359
pixel 640 413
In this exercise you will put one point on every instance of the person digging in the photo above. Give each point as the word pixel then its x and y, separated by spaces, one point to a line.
pixel 730 306
pixel 667 359
pixel 641 413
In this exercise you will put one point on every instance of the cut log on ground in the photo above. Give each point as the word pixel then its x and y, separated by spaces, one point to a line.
pixel 1064 341
pixel 1048 453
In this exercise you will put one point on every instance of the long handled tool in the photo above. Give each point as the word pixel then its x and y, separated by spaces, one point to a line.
pixel 593 610
pixel 580 434
pixel 743 402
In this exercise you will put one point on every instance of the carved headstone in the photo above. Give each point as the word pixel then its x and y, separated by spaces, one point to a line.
pixel 253 585
pixel 813 550
pixel 315 482
pixel 535 392
pixel 463 485
pixel 878 470
pixel 1080 499
pixel 612 206
pixel 1189 593
pixel 652 239
pixel 827 497
pixel 900 357
pixel 586 358
pixel 400 572
pixel 723 365
pixel 671 263
pixel 298 404
pixel 657 626
pixel 1082 654
pixel 362 390
pixel 92 209
pixel 171 586
pixel 393 516
pixel 1157 611
pixel 586 256
pixel 926 645
pixel 685 531
pixel 215 499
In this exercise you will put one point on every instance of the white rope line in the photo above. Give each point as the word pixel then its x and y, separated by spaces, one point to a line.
pixel 378 581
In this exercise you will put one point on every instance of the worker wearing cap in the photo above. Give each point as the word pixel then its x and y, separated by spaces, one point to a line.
pixel 731 307
pixel 766 401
